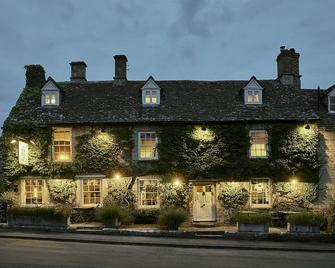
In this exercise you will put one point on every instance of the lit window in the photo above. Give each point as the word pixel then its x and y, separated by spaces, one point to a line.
pixel 62 144
pixel 331 105
pixel 259 144
pixel 33 192
pixel 148 192
pixel 91 191
pixel 260 192
pixel 147 143
pixel 151 97
pixel 49 99
pixel 254 97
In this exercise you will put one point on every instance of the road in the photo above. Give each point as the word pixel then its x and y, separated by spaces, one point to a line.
pixel 35 253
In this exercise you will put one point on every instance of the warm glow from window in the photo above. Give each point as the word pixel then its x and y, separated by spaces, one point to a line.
pixel 260 192
pixel 148 145
pixel 254 96
pixel 33 192
pixel 151 97
pixel 259 144
pixel 50 99
pixel 148 192
pixel 91 191
pixel 62 144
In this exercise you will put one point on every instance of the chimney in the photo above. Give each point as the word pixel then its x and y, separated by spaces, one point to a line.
pixel 120 67
pixel 288 67
pixel 78 71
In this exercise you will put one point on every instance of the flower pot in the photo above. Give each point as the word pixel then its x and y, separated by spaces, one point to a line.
pixel 254 228
pixel 303 228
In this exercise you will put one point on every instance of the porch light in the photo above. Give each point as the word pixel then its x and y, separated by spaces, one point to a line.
pixel 13 141
pixel 177 182
pixel 307 126
pixel 117 176
pixel 201 133
pixel 294 180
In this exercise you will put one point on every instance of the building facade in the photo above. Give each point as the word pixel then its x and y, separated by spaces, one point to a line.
pixel 210 146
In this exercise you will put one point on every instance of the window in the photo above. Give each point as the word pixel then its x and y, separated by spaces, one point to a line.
pixel 50 99
pixel 260 192
pixel 91 191
pixel 62 145
pixel 259 144
pixel 331 104
pixel 254 97
pixel 33 191
pixel 150 97
pixel 148 192
pixel 147 146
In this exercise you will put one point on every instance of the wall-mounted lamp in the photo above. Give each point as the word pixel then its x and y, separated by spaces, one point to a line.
pixel 176 182
pixel 13 141
pixel 307 126
pixel 117 176
pixel 203 128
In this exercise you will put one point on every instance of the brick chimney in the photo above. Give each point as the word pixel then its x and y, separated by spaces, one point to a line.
pixel 120 67
pixel 78 71
pixel 288 67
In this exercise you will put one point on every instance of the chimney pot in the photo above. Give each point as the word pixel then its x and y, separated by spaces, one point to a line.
pixel 120 67
pixel 78 71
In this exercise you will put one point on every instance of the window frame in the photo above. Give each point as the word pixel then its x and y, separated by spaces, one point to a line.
pixel 253 90
pixel 329 104
pixel 266 145
pixel 53 146
pixel 139 145
pixel 82 191
pixel 269 187
pixel 151 90
pixel 24 192
pixel 139 195
pixel 50 93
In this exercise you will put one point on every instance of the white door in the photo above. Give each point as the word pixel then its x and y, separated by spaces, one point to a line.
pixel 204 209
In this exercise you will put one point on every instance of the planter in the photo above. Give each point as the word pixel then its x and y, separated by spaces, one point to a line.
pixel 113 223
pixel 303 228
pixel 254 228
pixel 38 221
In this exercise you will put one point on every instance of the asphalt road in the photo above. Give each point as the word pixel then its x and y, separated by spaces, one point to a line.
pixel 35 253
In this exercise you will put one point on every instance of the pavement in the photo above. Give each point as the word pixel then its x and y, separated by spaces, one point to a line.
pixel 197 242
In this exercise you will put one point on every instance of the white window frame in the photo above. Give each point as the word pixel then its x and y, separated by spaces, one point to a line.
pixel 269 187
pixel 331 95
pixel 24 192
pixel 253 91
pixel 139 146
pixel 82 191
pixel 150 91
pixel 53 150
pixel 266 145
pixel 139 198
pixel 49 89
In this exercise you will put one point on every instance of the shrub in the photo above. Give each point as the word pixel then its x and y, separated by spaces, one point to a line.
pixel 62 191
pixel 107 214
pixel 146 216
pixel 172 218
pixel 253 218
pixel 306 218
pixel 9 198
pixel 48 212
pixel 175 195
pixel 233 196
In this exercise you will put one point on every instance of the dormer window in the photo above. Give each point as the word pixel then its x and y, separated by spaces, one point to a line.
pixel 253 92
pixel 50 94
pixel 150 93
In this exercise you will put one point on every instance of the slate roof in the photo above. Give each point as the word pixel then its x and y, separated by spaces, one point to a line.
pixel 181 101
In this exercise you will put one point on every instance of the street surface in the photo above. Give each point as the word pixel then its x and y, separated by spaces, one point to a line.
pixel 36 253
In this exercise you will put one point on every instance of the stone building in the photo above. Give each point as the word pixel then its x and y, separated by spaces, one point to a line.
pixel 246 144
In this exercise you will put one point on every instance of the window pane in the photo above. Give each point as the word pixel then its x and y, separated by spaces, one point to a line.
pixel 62 145
pixel 256 96
pixel 260 192
pixel 148 192
pixel 33 191
pixel 148 143
pixel 91 191
pixel 259 143
pixel 250 97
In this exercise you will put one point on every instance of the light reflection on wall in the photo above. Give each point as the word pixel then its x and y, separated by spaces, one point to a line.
pixel 203 134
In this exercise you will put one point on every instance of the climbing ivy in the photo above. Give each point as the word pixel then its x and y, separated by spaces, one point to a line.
pixel 35 76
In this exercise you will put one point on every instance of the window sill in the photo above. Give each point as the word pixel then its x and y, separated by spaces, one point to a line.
pixel 149 207
pixel 147 159
pixel 260 206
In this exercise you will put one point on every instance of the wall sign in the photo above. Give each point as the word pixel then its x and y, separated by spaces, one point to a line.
pixel 23 153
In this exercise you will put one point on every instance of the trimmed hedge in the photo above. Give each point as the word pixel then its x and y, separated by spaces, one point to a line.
pixel 47 212
pixel 306 218
pixel 253 218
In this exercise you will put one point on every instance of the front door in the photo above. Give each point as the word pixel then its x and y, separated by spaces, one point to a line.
pixel 204 209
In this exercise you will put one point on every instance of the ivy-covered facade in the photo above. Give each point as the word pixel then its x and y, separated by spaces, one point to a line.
pixel 211 147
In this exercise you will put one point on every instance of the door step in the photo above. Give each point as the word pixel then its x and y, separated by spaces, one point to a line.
pixel 204 224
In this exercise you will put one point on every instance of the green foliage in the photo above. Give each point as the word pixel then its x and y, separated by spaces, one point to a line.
pixel 62 191
pixel 146 216
pixel 306 218
pixel 233 195
pixel 294 196
pixel 120 194
pixel 11 199
pixel 253 218
pixel 175 195
pixel 48 212
pixel 107 214
pixel 172 217
pixel 35 76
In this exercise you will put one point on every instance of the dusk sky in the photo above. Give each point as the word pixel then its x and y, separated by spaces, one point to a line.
pixel 185 39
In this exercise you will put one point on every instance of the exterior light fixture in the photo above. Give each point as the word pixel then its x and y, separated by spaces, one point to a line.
pixel 13 141
pixel 203 128
pixel 117 176
pixel 103 130
pixel 177 182
pixel 294 180
pixel 307 126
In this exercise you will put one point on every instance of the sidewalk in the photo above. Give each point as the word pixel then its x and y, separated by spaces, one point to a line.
pixel 170 242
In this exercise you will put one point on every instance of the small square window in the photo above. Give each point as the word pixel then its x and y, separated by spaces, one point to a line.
pixel 50 99
pixel 150 97
pixel 253 96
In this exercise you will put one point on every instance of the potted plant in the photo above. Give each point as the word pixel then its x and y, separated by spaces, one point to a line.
pixel 305 222
pixel 171 218
pixel 253 222
pixel 113 216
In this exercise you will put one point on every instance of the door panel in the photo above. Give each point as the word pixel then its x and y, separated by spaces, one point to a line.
pixel 204 209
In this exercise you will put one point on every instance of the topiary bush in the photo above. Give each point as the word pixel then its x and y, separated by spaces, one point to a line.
pixel 306 218
pixel 253 218
pixel 172 218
